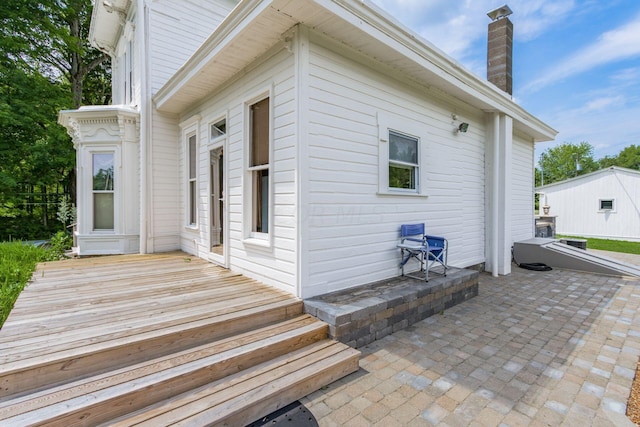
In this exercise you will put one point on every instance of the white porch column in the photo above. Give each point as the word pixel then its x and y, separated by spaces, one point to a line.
pixel 498 161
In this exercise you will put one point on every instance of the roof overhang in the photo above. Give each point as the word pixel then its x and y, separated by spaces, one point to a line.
pixel 107 22
pixel 255 26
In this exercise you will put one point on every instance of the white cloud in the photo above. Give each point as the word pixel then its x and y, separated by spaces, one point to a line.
pixel 608 123
pixel 615 45
pixel 601 104
pixel 535 17
pixel 457 26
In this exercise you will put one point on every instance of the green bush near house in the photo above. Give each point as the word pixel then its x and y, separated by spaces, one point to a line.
pixel 17 263
pixel 623 246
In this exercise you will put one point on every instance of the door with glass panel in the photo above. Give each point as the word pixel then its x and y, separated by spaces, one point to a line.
pixel 216 185
pixel 217 201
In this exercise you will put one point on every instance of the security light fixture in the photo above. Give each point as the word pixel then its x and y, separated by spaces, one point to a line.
pixel 463 127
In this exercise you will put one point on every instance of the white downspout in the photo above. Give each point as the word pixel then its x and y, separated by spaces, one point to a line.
pixel 141 35
pixel 495 201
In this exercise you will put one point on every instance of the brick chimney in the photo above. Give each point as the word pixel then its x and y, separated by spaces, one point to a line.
pixel 500 49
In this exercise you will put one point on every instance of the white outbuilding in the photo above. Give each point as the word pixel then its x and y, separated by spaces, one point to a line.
pixel 601 204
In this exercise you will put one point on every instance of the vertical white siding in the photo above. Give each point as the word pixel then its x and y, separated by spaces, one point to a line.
pixel 275 265
pixel 576 204
pixel 522 209
pixel 177 29
pixel 352 230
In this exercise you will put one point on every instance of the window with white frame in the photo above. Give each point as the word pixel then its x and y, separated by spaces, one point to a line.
pixel 404 167
pixel 400 156
pixel 259 141
pixel 191 179
pixel 606 204
pixel 103 191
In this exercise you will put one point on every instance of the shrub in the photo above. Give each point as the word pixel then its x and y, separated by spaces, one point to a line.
pixel 17 263
pixel 59 244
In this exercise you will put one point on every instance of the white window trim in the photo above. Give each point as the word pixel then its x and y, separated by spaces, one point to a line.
pixel 218 141
pixel 190 127
pixel 392 122
pixel 117 169
pixel 613 202
pixel 264 240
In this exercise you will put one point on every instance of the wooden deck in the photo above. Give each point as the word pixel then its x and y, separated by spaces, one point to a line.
pixel 140 334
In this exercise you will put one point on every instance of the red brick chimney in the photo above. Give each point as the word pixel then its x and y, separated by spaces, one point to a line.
pixel 500 49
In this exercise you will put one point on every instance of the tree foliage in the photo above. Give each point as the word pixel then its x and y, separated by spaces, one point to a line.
pixel 565 161
pixel 629 158
pixel 559 163
pixel 46 65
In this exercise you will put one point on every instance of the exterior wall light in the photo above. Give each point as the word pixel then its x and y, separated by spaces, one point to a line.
pixel 460 126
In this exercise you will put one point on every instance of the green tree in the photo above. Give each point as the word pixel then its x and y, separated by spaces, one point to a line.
pixel 629 158
pixel 46 65
pixel 565 161
pixel 51 37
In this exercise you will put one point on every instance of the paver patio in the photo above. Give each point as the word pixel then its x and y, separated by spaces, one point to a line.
pixel 533 349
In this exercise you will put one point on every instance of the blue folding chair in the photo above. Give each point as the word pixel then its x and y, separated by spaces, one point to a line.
pixel 428 251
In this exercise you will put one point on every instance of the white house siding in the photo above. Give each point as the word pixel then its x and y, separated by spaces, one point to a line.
pixel 275 265
pixel 576 204
pixel 165 180
pixel 522 207
pixel 352 231
pixel 177 29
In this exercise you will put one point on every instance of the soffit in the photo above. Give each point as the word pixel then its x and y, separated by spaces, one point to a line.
pixel 254 27
pixel 107 22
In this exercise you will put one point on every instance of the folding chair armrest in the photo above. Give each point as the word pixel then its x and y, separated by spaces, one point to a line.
pixel 435 238
pixel 411 239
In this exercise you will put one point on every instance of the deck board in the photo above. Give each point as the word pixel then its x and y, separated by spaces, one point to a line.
pixel 72 304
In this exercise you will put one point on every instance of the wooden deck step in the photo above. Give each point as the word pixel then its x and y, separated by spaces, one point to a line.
pixel 104 397
pixel 96 354
pixel 163 339
pixel 253 393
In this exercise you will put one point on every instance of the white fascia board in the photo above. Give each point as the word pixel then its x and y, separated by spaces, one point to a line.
pixel 479 92
pixel 610 169
pixel 96 111
pixel 391 39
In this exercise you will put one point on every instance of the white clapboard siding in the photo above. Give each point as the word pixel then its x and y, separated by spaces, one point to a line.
pixel 177 29
pixel 352 231
pixel 522 207
pixel 576 203
pixel 276 265
pixel 165 216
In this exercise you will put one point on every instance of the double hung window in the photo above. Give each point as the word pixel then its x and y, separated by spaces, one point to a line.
pixel 404 167
pixel 192 181
pixel 103 191
pixel 259 165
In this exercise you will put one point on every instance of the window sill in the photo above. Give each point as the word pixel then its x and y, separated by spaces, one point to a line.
pixel 258 242
pixel 192 228
pixel 401 194
pixel 102 232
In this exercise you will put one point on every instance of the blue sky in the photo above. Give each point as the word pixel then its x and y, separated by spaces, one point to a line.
pixel 576 64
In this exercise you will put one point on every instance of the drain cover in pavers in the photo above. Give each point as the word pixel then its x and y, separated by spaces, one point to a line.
pixel 293 415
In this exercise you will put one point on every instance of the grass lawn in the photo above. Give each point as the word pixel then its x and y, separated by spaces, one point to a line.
pixel 609 245
pixel 17 263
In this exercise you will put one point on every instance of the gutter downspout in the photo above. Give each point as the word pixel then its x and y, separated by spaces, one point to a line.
pixel 141 35
pixel 495 201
